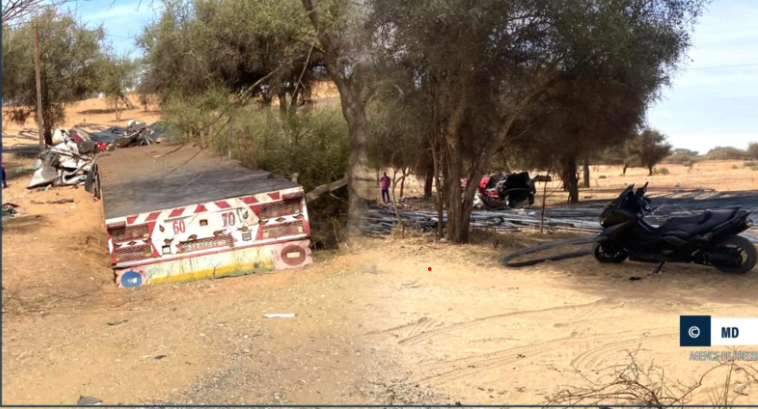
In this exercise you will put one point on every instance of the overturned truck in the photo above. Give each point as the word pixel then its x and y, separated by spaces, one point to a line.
pixel 178 214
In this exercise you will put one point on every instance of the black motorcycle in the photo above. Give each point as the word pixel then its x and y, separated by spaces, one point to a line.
pixel 711 238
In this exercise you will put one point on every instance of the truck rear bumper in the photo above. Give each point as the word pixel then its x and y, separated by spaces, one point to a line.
pixel 251 260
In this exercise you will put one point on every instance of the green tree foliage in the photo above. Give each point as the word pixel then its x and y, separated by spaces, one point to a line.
pixel 726 153
pixel 495 73
pixel 118 74
pixel 752 150
pixel 612 156
pixel 458 82
pixel 234 45
pixel 71 56
pixel 682 156
pixel 647 149
pixel 312 145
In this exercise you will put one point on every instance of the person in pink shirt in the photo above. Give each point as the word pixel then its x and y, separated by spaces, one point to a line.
pixel 385 182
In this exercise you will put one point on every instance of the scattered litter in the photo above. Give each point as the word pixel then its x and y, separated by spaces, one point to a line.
pixel 287 315
pixel 60 201
pixel 11 210
pixel 583 218
pixel 635 278
pixel 159 357
pixel 739 388
pixel 88 401
pixel 117 322
pixel 371 270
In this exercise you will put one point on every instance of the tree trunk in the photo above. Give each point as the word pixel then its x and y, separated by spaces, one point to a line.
pixel 570 178
pixel 586 181
pixel 650 171
pixel 354 110
pixel 283 111
pixel 458 211
pixel 625 166
pixel 436 165
pixel 402 182
pixel 48 133
pixel 454 198
pixel 126 100
pixel 358 174
pixel 429 179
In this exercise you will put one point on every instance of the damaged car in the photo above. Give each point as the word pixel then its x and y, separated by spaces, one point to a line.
pixel 514 190
pixel 73 154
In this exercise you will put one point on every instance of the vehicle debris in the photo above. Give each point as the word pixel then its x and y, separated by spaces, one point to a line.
pixel 60 201
pixel 11 210
pixel 74 153
pixel 88 401
pixel 582 218
pixel 112 323
pixel 514 190
pixel 288 315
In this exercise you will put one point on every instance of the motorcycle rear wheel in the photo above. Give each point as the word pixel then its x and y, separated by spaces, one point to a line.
pixel 747 251
pixel 609 252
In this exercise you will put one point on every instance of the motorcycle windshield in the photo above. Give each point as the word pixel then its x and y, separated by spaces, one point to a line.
pixel 618 202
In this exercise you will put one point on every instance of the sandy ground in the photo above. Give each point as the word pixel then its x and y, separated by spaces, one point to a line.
pixel 374 325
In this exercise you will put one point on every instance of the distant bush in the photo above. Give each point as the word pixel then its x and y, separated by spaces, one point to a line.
pixel 726 153
pixel 752 165
pixel 679 156
pixel 661 171
pixel 735 167
pixel 690 163
pixel 752 150
pixel 602 177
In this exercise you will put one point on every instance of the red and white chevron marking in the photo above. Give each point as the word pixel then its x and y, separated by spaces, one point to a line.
pixel 214 206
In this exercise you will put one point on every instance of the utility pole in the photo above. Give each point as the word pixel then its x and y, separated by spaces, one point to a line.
pixel 40 119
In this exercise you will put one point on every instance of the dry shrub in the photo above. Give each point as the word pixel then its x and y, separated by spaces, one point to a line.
pixel 635 384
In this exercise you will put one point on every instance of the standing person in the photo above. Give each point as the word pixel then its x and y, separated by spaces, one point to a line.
pixel 385 181
pixel 4 183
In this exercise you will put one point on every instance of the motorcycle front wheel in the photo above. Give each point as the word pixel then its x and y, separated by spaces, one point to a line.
pixel 739 247
pixel 609 252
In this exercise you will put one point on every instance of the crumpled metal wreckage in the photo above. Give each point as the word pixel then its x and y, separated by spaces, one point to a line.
pixel 74 153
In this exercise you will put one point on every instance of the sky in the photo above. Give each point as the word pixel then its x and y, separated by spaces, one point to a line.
pixel 714 97
pixel 713 100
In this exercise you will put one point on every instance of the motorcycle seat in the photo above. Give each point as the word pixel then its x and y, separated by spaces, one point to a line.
pixel 698 224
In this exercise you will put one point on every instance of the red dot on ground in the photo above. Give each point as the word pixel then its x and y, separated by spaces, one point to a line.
pixel 430 269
